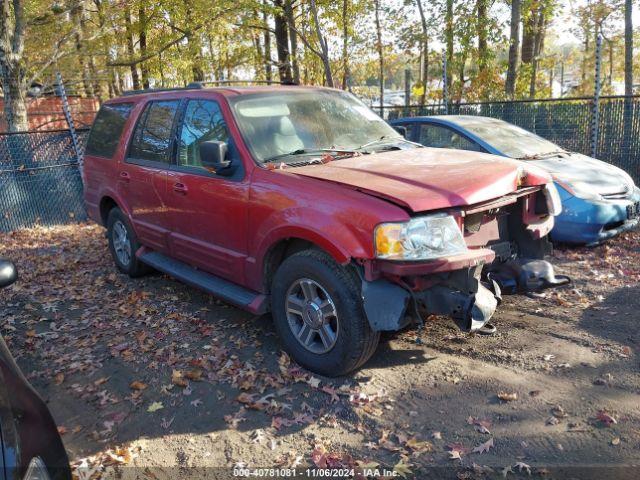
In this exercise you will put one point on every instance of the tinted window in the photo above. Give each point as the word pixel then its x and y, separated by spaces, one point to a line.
pixel 442 137
pixel 152 138
pixel 107 128
pixel 202 122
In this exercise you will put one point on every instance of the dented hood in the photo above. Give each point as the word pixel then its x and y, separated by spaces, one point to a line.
pixel 423 178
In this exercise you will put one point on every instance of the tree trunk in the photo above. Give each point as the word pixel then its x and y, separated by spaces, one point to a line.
pixel 324 53
pixel 425 53
pixel 293 40
pixel 135 79
pixel 514 43
pixel 142 35
pixel 628 77
pixel 282 43
pixel 537 52
pixel 483 51
pixel 345 44
pixel 380 54
pixel 12 67
pixel 267 44
pixel 449 39
pixel 77 13
pixel 628 47
pixel 527 50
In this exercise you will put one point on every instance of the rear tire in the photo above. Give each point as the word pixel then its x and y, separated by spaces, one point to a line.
pixel 124 244
pixel 318 314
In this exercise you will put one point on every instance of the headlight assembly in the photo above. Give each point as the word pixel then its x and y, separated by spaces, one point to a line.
pixel 421 238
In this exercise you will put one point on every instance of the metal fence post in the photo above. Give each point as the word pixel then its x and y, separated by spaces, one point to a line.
pixel 407 91
pixel 67 115
pixel 445 90
pixel 595 118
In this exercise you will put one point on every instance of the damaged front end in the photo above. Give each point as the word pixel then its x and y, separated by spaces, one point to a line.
pixel 506 242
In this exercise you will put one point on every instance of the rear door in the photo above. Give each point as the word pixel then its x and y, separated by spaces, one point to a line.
pixel 208 211
pixel 142 179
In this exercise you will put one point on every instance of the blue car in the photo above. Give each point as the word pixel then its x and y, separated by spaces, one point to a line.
pixel 599 201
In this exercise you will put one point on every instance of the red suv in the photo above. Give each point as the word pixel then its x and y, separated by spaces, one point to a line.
pixel 304 203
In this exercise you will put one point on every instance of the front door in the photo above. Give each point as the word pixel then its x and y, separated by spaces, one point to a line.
pixel 208 211
pixel 143 175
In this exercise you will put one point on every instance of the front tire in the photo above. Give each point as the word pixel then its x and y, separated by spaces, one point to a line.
pixel 318 314
pixel 123 245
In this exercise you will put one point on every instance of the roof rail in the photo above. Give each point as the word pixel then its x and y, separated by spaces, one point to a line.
pixel 155 90
pixel 231 82
pixel 196 85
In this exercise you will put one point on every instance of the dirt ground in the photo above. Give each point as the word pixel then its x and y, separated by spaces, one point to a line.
pixel 149 378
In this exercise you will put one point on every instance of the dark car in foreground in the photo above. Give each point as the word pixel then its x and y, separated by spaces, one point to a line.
pixel 30 446
pixel 599 200
pixel 302 202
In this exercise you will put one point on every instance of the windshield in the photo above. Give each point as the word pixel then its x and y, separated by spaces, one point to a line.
pixel 510 140
pixel 276 124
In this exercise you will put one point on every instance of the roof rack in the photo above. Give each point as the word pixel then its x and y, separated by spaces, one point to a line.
pixel 155 90
pixel 231 82
pixel 196 85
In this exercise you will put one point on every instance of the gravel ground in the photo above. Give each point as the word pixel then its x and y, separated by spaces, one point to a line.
pixel 149 378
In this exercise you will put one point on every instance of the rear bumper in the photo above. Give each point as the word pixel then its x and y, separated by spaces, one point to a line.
pixel 591 222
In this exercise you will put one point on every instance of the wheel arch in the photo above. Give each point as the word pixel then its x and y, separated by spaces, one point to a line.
pixel 283 247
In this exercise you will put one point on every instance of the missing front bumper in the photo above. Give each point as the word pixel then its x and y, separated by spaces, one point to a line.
pixel 460 295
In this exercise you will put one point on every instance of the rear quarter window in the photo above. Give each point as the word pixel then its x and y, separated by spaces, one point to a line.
pixel 107 128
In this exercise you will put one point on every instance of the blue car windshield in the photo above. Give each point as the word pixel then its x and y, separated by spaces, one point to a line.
pixel 511 141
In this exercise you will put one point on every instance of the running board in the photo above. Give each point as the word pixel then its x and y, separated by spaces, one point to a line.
pixel 229 292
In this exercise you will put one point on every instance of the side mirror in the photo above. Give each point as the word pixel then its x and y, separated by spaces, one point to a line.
pixel 8 273
pixel 213 155
pixel 401 130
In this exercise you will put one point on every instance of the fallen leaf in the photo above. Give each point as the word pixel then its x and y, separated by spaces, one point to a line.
pixel 508 397
pixel 177 378
pixel 314 382
pixel 194 375
pixel 484 447
pixel 606 418
pixel 418 445
pixel 615 441
pixel 138 386
pixel 155 406
pixel 401 468
pixel 58 379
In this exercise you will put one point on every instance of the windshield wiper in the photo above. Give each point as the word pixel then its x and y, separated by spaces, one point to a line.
pixel 537 156
pixel 308 151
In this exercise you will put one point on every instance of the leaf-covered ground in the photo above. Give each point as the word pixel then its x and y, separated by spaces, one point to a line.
pixel 152 374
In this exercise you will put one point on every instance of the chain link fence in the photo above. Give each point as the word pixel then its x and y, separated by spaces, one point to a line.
pixel 40 182
pixel 566 122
